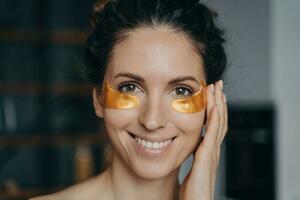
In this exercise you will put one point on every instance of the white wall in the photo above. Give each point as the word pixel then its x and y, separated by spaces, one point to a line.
pixel 247 26
pixel 247 79
pixel 285 87
pixel 264 66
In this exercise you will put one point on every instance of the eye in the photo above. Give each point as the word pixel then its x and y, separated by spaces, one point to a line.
pixel 182 91
pixel 128 88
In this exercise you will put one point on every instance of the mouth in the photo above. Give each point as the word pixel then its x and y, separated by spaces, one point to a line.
pixel 153 145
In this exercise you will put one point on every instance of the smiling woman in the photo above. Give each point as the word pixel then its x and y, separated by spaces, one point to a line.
pixel 154 66
pixel 149 53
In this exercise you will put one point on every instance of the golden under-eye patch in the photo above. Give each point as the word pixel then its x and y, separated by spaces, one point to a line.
pixel 117 100
pixel 191 104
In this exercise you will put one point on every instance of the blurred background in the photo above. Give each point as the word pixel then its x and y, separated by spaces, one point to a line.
pixel 50 137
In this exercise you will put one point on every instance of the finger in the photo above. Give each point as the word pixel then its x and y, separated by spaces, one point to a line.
pixel 206 149
pixel 210 101
pixel 212 121
pixel 225 129
pixel 212 129
pixel 220 104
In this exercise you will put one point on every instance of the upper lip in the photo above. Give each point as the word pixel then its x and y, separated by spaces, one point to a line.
pixel 152 139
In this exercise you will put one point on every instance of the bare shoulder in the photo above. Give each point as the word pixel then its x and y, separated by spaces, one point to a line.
pixel 93 188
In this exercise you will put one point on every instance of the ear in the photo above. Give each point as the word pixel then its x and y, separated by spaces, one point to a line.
pixel 97 102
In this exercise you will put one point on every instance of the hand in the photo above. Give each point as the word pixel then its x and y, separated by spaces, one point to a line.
pixel 199 184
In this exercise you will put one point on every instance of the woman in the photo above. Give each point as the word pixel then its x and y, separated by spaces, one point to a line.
pixel 156 67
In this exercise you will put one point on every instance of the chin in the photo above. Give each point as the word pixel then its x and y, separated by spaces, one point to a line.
pixel 154 170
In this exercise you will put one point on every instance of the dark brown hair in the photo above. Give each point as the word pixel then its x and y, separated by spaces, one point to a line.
pixel 111 19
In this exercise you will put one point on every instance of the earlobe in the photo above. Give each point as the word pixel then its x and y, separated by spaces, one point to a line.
pixel 97 102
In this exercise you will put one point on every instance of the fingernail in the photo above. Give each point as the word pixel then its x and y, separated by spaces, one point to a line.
pixel 212 88
pixel 221 84
pixel 224 98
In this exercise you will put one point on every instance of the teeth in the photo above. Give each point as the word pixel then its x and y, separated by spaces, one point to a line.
pixel 161 144
pixel 149 144
pixel 155 145
pixel 152 145
pixel 166 142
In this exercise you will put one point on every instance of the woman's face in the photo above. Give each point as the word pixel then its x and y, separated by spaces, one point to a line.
pixel 158 66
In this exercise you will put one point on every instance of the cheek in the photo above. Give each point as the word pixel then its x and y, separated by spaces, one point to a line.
pixel 189 127
pixel 189 124
pixel 118 119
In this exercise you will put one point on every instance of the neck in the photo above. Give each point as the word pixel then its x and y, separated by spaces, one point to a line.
pixel 125 184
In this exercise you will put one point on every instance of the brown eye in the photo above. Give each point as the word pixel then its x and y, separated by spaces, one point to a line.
pixel 128 87
pixel 182 92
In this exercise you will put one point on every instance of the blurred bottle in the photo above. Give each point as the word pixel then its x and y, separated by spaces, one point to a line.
pixel 11 187
pixel 83 163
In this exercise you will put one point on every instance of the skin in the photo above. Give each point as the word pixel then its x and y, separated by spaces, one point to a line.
pixel 166 55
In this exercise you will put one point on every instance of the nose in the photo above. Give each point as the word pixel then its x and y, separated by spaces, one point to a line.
pixel 152 115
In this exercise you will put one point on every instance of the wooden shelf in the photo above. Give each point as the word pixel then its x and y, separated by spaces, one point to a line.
pixel 66 37
pixel 38 89
pixel 55 140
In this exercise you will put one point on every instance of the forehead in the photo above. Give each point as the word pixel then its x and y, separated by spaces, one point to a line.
pixel 160 53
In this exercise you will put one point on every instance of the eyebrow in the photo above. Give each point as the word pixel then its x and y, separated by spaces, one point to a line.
pixel 171 82
pixel 130 75
pixel 183 78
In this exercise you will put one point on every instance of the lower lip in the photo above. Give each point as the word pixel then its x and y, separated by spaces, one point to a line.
pixel 140 149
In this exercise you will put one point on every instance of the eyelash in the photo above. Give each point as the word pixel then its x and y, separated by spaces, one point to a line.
pixel 130 83
pixel 188 89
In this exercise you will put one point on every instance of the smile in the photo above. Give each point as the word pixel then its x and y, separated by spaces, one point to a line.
pixel 152 145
